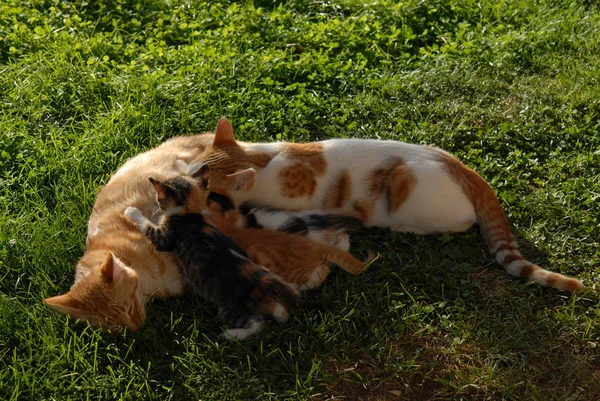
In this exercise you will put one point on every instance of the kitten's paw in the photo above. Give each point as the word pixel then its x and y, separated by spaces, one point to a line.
pixel 243 334
pixel 134 214
pixel 280 313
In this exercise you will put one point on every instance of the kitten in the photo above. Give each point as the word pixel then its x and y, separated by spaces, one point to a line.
pixel 214 266
pixel 319 226
pixel 297 259
pixel 392 184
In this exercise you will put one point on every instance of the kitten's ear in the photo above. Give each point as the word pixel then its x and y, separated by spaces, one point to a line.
pixel 241 180
pixel 64 304
pixel 224 133
pixel 112 268
pixel 161 189
pixel 200 171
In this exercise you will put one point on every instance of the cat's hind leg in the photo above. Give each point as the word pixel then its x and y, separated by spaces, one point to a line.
pixel 342 240
pixel 316 278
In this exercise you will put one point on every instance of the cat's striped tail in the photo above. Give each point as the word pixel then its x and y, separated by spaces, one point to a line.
pixel 496 229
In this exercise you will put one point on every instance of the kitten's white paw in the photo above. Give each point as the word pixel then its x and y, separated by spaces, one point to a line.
pixel 134 214
pixel 280 313
pixel 243 334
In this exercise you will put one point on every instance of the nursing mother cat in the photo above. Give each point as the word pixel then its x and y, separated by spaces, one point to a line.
pixel 401 186
pixel 390 184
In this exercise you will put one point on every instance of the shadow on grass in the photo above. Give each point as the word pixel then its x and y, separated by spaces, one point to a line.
pixel 435 318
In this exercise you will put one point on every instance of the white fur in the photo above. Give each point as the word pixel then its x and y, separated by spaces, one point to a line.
pixel 436 204
pixel 342 241
pixel 242 334
pixel 501 255
pixel 271 219
pixel 316 278
pixel 514 267
pixel 280 313
pixel 237 255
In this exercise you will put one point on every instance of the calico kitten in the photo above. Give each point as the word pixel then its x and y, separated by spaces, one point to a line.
pixel 296 258
pixel 214 266
pixel 320 226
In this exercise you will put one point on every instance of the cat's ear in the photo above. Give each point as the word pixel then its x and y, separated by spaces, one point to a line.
pixel 241 180
pixel 112 268
pixel 162 189
pixel 200 171
pixel 224 133
pixel 64 304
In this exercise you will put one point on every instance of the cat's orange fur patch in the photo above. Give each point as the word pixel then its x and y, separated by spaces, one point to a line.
pixel 310 154
pixel 339 193
pixel 231 158
pixel 401 183
pixel 395 180
pixel 297 181
pixel 495 227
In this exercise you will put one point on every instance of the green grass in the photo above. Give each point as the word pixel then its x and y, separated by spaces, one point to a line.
pixel 512 88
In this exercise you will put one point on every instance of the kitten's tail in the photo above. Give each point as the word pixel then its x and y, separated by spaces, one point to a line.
pixel 346 261
pixel 496 229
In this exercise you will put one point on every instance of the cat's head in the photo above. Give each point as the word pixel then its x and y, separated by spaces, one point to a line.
pixel 173 194
pixel 105 296
pixel 179 195
pixel 225 156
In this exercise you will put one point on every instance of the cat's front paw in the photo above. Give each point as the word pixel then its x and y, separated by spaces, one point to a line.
pixel 134 214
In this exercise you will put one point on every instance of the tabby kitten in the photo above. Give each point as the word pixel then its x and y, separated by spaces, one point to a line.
pixel 214 266
pixel 297 259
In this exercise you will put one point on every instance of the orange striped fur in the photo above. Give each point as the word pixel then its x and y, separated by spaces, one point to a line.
pixel 496 230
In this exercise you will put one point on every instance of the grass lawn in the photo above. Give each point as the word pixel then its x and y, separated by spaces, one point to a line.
pixel 510 87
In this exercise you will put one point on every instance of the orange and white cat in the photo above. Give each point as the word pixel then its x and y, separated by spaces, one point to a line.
pixel 387 183
pixel 398 185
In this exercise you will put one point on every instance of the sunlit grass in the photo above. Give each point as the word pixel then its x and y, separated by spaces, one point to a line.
pixel 511 88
